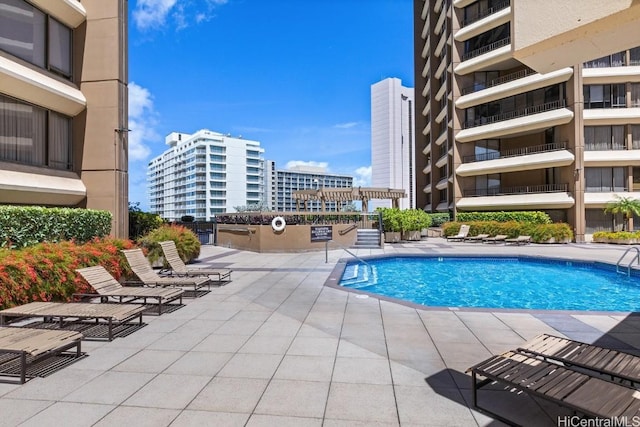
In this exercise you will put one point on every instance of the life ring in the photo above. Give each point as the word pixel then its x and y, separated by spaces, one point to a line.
pixel 278 223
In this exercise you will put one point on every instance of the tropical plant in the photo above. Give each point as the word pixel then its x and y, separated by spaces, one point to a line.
pixel 141 223
pixel 391 219
pixel 627 206
pixel 414 220
pixel 186 241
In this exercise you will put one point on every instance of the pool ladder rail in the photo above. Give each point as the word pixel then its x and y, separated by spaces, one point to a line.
pixel 366 264
pixel 636 259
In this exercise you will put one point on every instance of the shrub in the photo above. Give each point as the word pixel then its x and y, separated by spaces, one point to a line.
pixel 535 217
pixel 22 226
pixel 46 271
pixel 616 235
pixel 538 232
pixel 437 219
pixel 391 219
pixel 186 241
pixel 141 223
pixel 414 220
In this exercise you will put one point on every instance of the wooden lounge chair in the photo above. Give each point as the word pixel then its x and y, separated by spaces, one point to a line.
pixel 477 238
pixel 499 238
pixel 591 396
pixel 109 288
pixel 142 269
pixel 462 234
pixel 520 240
pixel 614 363
pixel 178 267
pixel 22 348
pixel 71 315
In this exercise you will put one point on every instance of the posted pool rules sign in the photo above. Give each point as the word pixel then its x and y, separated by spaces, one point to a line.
pixel 321 233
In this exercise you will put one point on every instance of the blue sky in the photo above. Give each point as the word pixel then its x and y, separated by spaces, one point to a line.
pixel 295 75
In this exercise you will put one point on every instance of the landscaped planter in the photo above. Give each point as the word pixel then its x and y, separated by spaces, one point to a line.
pixel 411 235
pixel 391 236
pixel 617 241
pixel 553 240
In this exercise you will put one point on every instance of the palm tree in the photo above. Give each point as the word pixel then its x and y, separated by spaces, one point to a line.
pixel 627 206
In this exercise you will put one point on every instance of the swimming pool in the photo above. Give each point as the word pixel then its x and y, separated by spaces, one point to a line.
pixel 514 283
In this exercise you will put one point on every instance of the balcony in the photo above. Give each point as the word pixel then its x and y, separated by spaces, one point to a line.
pixel 612 158
pixel 529 119
pixel 494 56
pixel 550 196
pixel 486 49
pixel 611 75
pixel 521 159
pixel 611 116
pixel 600 199
pixel 484 13
pixel 443 183
pixel 511 85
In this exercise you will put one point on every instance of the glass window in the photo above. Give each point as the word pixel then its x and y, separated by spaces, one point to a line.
pixel 602 138
pixel 59 137
pixel 635 137
pixel 59 48
pixel 635 94
pixel 22 31
pixel 634 54
pixel 598 180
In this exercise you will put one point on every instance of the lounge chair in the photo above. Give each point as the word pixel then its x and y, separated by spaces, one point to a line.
pixel 477 238
pixel 74 315
pixel 499 238
pixel 578 391
pixel 178 267
pixel 606 361
pixel 108 288
pixel 142 269
pixel 29 347
pixel 520 240
pixel 462 234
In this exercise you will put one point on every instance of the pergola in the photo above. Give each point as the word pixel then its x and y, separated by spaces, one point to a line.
pixel 347 195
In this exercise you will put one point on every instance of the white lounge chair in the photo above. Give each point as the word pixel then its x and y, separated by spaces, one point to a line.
pixel 462 234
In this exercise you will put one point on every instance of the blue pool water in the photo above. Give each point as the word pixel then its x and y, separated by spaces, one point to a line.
pixel 515 283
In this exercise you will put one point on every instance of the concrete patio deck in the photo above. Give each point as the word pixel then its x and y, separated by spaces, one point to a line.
pixel 276 347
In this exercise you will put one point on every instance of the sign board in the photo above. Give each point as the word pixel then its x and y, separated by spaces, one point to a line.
pixel 321 233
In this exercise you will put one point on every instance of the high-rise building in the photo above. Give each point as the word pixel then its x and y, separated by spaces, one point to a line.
pixel 496 135
pixel 281 183
pixel 205 174
pixel 63 105
pixel 393 141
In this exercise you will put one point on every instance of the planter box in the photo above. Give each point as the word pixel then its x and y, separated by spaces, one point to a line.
pixel 391 236
pixel 411 235
pixel 617 241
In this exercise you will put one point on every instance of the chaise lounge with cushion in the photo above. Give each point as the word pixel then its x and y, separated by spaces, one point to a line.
pixel 499 238
pixel 143 270
pixel 109 289
pixel 476 238
pixel 180 269
pixel 462 234
pixel 23 349
pixel 520 240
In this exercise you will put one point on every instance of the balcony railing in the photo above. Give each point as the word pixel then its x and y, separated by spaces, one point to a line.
pixel 498 81
pixel 487 48
pixel 521 189
pixel 544 148
pixel 535 109
pixel 484 13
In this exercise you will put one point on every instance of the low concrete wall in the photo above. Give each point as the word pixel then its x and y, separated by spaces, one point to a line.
pixel 294 238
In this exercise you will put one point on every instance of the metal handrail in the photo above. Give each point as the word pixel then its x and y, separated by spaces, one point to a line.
pixel 488 48
pixel 522 189
pixel 534 109
pixel 543 148
pixel 326 254
pixel 635 258
pixel 498 81
pixel 484 13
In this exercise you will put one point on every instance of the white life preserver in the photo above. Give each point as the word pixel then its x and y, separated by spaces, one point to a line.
pixel 278 223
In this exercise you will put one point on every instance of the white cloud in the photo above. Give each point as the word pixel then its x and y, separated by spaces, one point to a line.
pixel 362 177
pixel 347 125
pixel 293 163
pixel 151 13
pixel 142 121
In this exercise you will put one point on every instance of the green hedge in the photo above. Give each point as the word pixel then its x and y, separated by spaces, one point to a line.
pixel 535 217
pixel 22 226
pixel 539 233
pixel 396 220
pixel 437 219
pixel 616 235
pixel 186 241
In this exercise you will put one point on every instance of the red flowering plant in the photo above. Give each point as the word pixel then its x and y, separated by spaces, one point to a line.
pixel 46 271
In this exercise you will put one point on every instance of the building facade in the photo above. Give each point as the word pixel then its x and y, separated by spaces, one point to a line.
pixel 281 183
pixel 205 174
pixel 393 140
pixel 63 105
pixel 496 135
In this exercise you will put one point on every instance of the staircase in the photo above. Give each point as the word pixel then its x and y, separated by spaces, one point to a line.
pixel 367 239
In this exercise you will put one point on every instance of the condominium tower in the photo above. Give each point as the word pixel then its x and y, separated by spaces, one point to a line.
pixel 392 140
pixel 493 134
pixel 281 183
pixel 63 105
pixel 205 174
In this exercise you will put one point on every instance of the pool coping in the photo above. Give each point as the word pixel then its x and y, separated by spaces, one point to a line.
pixel 334 277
